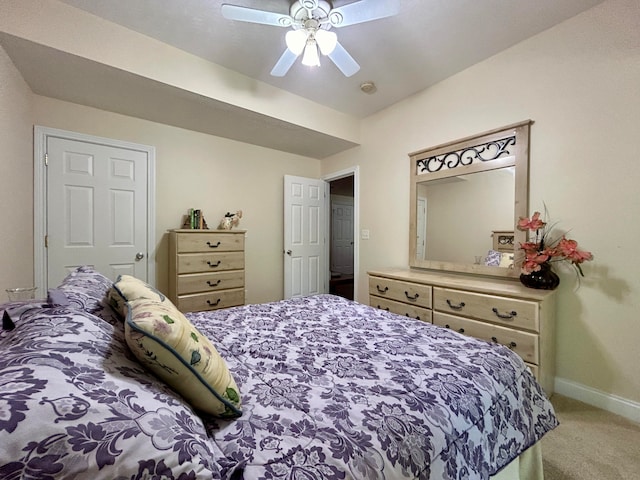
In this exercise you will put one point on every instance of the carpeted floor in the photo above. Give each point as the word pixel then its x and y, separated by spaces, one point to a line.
pixel 590 444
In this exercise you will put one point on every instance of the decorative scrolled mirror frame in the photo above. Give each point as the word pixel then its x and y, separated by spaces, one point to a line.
pixel 506 147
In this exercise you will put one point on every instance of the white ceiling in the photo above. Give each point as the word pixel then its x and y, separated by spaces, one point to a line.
pixel 428 41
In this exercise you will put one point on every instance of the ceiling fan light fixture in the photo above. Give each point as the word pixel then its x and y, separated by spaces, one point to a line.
pixel 311 57
pixel 326 41
pixel 296 40
pixel 311 23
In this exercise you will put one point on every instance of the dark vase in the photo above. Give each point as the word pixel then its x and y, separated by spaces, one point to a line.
pixel 544 279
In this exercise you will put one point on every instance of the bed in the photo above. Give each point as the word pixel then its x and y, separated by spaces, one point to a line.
pixel 327 389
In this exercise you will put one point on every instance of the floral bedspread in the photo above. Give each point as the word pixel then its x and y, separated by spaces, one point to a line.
pixel 331 389
pixel 76 404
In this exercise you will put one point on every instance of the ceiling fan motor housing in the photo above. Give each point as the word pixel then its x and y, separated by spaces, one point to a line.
pixel 310 4
pixel 300 10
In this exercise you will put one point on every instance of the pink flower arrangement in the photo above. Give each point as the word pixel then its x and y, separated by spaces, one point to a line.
pixel 544 249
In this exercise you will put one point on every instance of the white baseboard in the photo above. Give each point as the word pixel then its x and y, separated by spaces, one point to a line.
pixel 606 401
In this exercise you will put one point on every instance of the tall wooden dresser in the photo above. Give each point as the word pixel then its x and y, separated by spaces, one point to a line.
pixel 496 310
pixel 206 269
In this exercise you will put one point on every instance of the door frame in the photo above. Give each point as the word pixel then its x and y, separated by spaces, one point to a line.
pixel 40 137
pixel 355 172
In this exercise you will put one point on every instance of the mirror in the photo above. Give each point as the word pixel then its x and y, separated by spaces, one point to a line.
pixel 466 198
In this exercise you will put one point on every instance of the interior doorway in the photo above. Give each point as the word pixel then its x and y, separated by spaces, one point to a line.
pixel 342 225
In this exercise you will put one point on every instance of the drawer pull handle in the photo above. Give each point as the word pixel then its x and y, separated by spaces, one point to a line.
pixel 211 284
pixel 460 330
pixel 385 308
pixel 505 316
pixel 213 304
pixel 511 345
pixel 417 317
pixel 213 246
pixel 455 307
pixel 409 297
pixel 214 265
pixel 382 290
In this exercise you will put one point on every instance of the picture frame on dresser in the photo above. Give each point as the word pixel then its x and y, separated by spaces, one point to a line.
pixel 206 269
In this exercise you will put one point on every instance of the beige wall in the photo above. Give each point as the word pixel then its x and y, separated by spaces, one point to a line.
pixel 579 82
pixel 206 172
pixel 16 193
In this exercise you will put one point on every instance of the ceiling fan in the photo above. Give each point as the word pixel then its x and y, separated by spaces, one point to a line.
pixel 311 22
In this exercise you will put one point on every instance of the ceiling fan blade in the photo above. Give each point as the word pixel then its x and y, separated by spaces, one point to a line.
pixel 363 11
pixel 284 63
pixel 343 60
pixel 244 14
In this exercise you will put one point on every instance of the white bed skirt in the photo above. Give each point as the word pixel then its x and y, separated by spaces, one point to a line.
pixel 528 466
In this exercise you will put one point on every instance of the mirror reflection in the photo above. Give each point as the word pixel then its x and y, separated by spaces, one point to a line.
pixel 466 198
pixel 463 218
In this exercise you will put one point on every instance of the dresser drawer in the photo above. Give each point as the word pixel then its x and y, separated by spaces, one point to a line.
pixel 210 262
pixel 406 292
pixel 523 343
pixel 501 310
pixel 400 308
pixel 209 242
pixel 210 282
pixel 211 301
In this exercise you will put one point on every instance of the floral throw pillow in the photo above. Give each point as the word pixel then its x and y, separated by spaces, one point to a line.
pixel 166 343
pixel 128 288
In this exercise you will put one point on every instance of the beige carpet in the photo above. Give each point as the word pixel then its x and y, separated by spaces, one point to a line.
pixel 590 444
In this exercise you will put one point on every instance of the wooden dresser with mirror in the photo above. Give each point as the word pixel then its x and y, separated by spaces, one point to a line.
pixel 466 199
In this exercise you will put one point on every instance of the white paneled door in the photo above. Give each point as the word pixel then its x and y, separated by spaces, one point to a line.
pixel 96 208
pixel 305 255
pixel 341 237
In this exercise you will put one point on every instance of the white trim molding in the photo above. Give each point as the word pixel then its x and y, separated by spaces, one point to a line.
pixel 606 401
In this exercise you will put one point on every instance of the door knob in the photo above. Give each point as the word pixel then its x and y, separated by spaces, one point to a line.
pixel 289 252
pixel 139 256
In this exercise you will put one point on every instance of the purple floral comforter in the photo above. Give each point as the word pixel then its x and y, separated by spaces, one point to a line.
pixel 331 389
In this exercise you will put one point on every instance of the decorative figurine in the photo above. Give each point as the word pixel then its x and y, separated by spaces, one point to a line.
pixel 230 220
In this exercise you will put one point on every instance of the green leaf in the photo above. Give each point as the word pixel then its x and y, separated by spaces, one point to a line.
pixel 233 395
pixel 168 319
pixel 195 357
